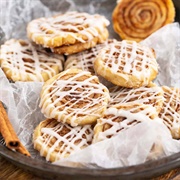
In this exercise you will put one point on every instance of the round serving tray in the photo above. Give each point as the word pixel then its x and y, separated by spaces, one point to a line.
pixel 46 170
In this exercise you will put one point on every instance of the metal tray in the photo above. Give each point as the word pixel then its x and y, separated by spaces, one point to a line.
pixel 45 170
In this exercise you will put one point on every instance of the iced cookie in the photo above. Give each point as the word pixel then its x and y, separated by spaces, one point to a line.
pixel 74 97
pixel 170 112
pixel 69 28
pixel 121 117
pixel 55 140
pixel 127 64
pixel 152 95
pixel 84 60
pixel 136 20
pixel 23 61
pixel 78 47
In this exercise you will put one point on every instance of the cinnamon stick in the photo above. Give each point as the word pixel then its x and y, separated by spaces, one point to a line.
pixel 23 150
pixel 8 133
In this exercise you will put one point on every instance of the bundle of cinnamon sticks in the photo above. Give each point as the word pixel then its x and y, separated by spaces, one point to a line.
pixel 6 129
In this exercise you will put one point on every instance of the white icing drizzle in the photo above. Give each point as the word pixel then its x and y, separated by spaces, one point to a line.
pixel 83 98
pixel 128 117
pixel 170 112
pixel 23 59
pixel 145 95
pixel 129 58
pixel 84 60
pixel 69 23
pixel 65 144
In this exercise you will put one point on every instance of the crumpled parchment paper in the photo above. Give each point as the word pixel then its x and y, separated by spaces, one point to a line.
pixel 22 98
pixel 166 43
pixel 127 148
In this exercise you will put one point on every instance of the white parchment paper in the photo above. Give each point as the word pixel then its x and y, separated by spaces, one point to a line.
pixel 127 148
pixel 22 98
pixel 166 43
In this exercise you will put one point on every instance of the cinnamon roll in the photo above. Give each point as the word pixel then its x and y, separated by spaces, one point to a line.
pixel 137 19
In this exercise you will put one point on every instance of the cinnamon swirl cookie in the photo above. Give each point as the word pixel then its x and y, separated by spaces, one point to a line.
pixel 23 61
pixel 71 28
pixel 136 20
pixel 55 140
pixel 74 97
pixel 170 112
pixel 121 117
pixel 151 95
pixel 84 60
pixel 127 64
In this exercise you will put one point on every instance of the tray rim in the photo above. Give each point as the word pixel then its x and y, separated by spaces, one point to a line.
pixel 44 169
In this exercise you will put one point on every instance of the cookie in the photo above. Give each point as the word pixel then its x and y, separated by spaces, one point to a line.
pixel 152 95
pixel 85 60
pixel 78 47
pixel 55 140
pixel 74 97
pixel 170 112
pixel 127 64
pixel 136 20
pixel 66 29
pixel 122 117
pixel 24 61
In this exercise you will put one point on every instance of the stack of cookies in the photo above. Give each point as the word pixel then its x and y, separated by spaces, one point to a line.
pixel 72 101
pixel 42 56
pixel 70 52
pixel 129 106
pixel 85 59
pixel 69 33
pixel 76 99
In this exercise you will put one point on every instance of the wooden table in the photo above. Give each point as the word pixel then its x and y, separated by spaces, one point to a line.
pixel 8 171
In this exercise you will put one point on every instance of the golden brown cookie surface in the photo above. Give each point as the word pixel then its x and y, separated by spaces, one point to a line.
pixel 121 117
pixel 78 47
pixel 66 29
pixel 170 112
pixel 127 64
pixel 24 61
pixel 85 60
pixel 75 97
pixel 152 95
pixel 55 140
